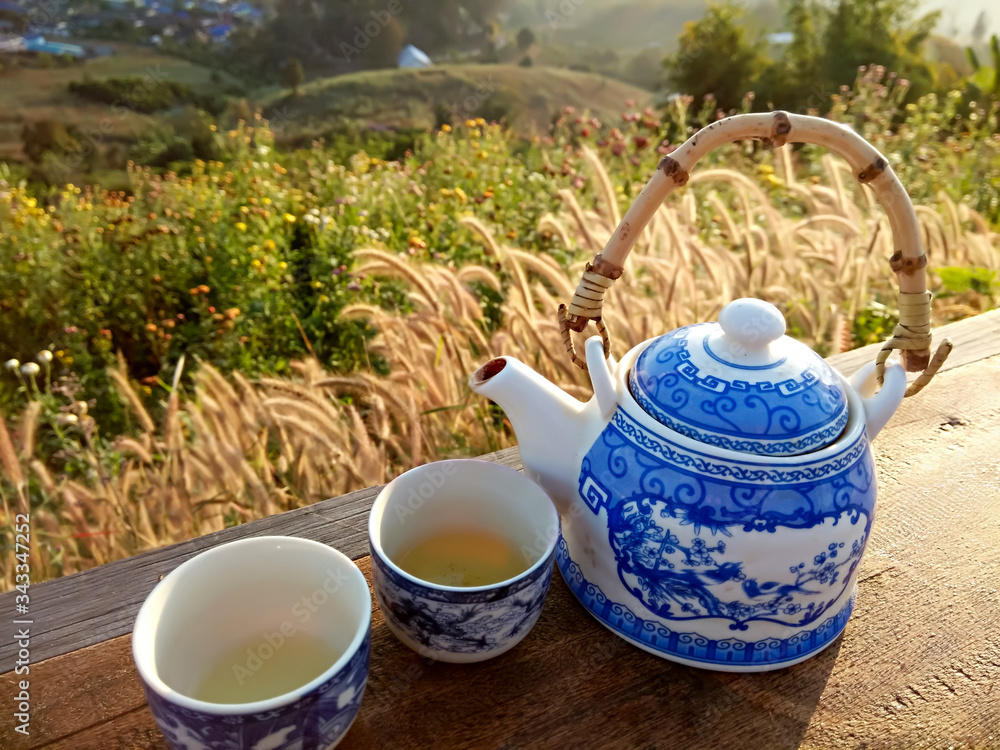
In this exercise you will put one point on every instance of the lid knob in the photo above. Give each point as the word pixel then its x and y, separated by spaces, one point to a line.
pixel 751 325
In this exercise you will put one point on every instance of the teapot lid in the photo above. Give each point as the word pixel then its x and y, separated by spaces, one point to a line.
pixel 741 384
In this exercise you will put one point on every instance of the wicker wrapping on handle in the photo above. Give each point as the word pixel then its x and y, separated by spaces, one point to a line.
pixel 912 335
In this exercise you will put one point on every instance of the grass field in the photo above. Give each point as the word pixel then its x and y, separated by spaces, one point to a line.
pixel 32 94
pixel 529 97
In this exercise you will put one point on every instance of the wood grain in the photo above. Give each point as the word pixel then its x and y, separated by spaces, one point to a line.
pixel 917 667
pixel 96 605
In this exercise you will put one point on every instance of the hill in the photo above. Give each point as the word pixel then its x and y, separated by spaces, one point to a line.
pixel 527 98
pixel 32 94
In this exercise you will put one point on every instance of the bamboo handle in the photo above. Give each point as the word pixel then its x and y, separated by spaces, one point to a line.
pixel 912 335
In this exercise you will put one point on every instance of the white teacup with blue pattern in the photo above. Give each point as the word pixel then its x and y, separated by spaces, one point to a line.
pixel 262 593
pixel 462 623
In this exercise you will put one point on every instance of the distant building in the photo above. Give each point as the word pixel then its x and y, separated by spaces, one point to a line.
pixel 40 45
pixel 247 11
pixel 411 57
pixel 220 32
pixel 11 44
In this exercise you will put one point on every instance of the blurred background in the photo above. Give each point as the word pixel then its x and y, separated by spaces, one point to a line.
pixel 250 250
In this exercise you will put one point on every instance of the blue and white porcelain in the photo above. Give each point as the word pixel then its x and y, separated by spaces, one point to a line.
pixel 686 529
pixel 455 623
pixel 741 385
pixel 260 592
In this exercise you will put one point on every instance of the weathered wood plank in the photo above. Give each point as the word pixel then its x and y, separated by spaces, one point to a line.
pixel 96 605
pixel 917 666
pixel 973 338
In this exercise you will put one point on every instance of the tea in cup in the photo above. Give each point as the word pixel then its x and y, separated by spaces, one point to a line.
pixel 462 555
pixel 262 642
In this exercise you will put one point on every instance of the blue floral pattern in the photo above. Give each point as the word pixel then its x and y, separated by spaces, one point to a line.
pixel 772 417
pixel 459 622
pixel 678 518
pixel 316 721
pixel 711 652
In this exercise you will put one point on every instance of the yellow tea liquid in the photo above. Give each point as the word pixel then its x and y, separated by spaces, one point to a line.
pixel 243 676
pixel 462 556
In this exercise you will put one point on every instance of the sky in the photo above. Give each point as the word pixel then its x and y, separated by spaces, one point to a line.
pixel 961 15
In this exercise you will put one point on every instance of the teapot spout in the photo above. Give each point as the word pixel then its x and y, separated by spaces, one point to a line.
pixel 547 421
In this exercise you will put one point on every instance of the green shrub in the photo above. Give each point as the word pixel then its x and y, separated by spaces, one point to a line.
pixel 145 95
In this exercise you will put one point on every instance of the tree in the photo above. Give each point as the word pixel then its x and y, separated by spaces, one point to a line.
pixel 984 82
pixel 832 40
pixel 715 56
pixel 876 32
pixel 525 38
pixel 293 75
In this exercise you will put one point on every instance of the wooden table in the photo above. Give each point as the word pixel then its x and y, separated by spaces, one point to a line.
pixel 918 666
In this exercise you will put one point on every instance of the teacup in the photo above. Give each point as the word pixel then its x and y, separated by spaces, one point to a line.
pixel 251 620
pixel 462 623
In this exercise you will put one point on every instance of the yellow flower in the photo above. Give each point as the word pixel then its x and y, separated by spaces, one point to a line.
pixel 323 298
pixel 446 128
pixel 317 285
pixel 482 155
pixel 470 123
pixel 269 244
pixel 282 265
pixel 266 201
pixel 461 195
pixel 255 263
pixel 241 226
pixel 289 218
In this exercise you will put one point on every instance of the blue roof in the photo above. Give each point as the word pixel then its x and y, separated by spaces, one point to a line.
pixel 12 7
pixel 221 29
pixel 54 48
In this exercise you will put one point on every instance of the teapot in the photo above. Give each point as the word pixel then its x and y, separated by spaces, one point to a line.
pixel 717 492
